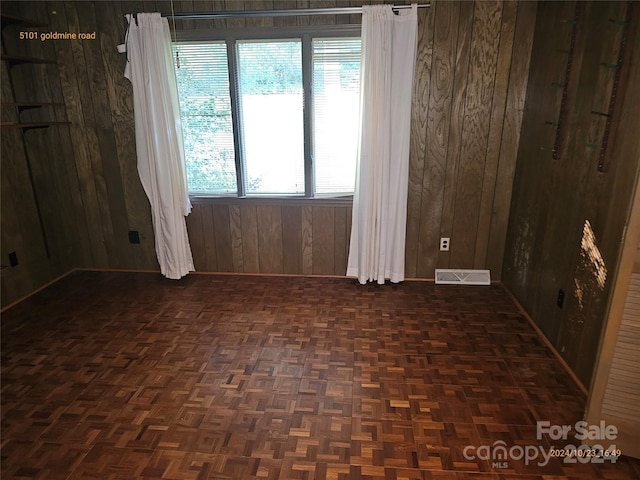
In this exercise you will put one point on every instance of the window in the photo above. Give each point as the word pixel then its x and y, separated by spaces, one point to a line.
pixel 274 116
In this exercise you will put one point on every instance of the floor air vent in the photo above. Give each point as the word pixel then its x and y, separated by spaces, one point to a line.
pixel 462 277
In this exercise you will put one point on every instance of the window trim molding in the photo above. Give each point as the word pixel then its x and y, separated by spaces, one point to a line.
pixel 284 201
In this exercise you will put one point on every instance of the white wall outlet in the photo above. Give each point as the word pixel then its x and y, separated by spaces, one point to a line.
pixel 444 244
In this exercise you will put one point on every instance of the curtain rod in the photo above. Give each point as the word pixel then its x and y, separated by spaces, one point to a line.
pixel 277 13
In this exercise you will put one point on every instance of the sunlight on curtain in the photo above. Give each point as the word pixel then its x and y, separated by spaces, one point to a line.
pixel 378 228
pixel 159 148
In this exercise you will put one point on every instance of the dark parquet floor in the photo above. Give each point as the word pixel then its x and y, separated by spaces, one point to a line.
pixel 110 375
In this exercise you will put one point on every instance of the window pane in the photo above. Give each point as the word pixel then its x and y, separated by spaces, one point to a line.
pixel 336 86
pixel 271 105
pixel 205 109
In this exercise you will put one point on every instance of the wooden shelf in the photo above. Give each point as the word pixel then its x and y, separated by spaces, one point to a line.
pixel 15 60
pixel 21 106
pixel 31 125
pixel 6 20
pixel 32 104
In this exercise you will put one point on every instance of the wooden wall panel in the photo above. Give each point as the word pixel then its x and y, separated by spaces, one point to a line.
pixel 291 239
pixel 418 146
pixel 221 232
pixel 341 234
pixel 250 251
pixel 255 238
pixel 475 131
pixel 307 241
pixel 592 190
pixel 39 219
pixel 521 55
pixel 210 236
pixel 50 180
pixel 20 231
pixel 269 238
pixel 196 238
pixel 458 96
pixel 563 232
pixel 235 219
pixel 533 184
pixel 323 240
pixel 462 93
pixel 119 91
pixel 496 131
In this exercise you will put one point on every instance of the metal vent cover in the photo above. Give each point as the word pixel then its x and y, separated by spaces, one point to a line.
pixel 445 276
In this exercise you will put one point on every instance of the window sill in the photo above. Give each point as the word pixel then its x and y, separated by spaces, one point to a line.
pixel 344 201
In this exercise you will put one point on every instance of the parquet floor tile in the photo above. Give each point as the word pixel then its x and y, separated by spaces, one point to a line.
pixel 111 375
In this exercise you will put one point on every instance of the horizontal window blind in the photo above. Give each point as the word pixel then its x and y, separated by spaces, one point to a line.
pixel 271 112
pixel 205 110
pixel 282 146
pixel 336 86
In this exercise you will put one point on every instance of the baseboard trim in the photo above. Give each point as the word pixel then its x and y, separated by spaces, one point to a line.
pixel 252 274
pixel 37 290
pixel 131 270
pixel 547 342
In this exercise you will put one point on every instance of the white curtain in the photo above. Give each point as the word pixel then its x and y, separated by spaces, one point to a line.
pixel 379 219
pixel 159 146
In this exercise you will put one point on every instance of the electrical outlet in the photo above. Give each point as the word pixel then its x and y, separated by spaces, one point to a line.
pixel 560 298
pixel 444 244
pixel 134 236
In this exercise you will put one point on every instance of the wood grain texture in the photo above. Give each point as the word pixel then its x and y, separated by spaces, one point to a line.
pixel 611 193
pixel 557 201
pixel 270 238
pixel 291 239
pixel 496 131
pixel 222 234
pixel 92 170
pixel 521 55
pixel 119 91
pixel 39 214
pixel 463 49
pixel 432 183
pixel 307 241
pixel 285 5
pixel 341 235
pixel 212 231
pixel 79 137
pixel 247 377
pixel 477 109
pixel 106 140
pixel 235 223
pixel 535 160
pixel 250 248
pixel 97 156
pixel 20 224
pixel 323 19
pixel 417 147
pixel 78 235
pixel 323 240
pixel 50 182
pixel 196 238
pixel 259 21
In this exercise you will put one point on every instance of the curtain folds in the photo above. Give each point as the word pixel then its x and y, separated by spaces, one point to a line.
pixel 378 230
pixel 159 148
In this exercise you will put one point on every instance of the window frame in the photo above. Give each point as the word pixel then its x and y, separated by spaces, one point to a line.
pixel 305 34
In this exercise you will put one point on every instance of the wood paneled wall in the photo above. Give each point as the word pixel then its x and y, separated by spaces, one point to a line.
pixel 473 60
pixel 255 237
pixel 471 78
pixel 567 216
